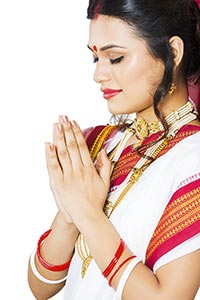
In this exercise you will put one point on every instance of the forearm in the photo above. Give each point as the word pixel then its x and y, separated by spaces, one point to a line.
pixel 103 240
pixel 56 249
pixel 75 177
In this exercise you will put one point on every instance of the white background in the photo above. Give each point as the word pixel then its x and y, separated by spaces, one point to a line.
pixel 45 70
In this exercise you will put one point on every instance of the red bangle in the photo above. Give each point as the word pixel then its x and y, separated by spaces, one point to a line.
pixel 117 270
pixel 46 265
pixel 115 259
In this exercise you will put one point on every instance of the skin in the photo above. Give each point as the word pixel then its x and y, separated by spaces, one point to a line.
pixel 138 74
pixel 72 173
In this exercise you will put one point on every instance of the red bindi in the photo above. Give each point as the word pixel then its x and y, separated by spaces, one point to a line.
pixel 95 48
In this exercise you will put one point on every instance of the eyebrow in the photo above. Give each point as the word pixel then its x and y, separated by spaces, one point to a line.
pixel 106 47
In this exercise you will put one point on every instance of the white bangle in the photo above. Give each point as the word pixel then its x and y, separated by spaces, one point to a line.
pixel 39 276
pixel 125 276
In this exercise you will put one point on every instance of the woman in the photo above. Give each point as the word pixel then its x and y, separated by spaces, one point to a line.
pixel 128 221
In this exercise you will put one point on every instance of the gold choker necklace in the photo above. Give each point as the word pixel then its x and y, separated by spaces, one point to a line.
pixel 143 129
pixel 174 120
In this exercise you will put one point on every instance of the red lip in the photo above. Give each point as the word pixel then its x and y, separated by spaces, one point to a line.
pixel 109 93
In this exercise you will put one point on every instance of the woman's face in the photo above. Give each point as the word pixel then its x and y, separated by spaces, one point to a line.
pixel 126 71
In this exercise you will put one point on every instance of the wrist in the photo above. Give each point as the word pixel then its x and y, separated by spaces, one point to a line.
pixel 44 263
pixel 58 245
pixel 88 217
pixel 63 226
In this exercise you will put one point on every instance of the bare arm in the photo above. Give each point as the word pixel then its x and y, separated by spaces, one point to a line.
pixel 78 179
pixel 57 249
pixel 177 280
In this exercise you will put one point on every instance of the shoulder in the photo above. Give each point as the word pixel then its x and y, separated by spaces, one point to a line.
pixel 185 149
pixel 188 150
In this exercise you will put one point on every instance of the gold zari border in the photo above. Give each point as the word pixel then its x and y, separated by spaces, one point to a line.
pixel 178 215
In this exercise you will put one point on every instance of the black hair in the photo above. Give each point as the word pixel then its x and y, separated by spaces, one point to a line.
pixel 156 21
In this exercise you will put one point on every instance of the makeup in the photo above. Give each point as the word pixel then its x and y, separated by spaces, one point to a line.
pixel 109 93
pixel 95 48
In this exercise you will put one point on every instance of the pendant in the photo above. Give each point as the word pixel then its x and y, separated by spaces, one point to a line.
pixel 141 128
pixel 107 207
pixel 85 265
pixel 136 175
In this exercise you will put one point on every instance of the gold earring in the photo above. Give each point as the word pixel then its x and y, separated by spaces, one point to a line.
pixel 172 89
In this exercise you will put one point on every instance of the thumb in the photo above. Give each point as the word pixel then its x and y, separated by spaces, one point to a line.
pixel 103 167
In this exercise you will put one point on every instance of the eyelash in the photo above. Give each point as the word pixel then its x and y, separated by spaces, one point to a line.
pixel 112 61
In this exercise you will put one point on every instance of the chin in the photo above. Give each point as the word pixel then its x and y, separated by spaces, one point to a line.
pixel 114 110
pixel 119 112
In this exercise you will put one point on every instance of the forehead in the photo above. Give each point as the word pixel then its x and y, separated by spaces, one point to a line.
pixel 107 30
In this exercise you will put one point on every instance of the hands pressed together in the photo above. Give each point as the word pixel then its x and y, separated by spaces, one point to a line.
pixel 79 186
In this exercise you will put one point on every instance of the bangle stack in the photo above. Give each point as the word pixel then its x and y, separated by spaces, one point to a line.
pixel 106 273
pixel 117 270
pixel 125 276
pixel 126 272
pixel 46 265
pixel 39 276
pixel 115 259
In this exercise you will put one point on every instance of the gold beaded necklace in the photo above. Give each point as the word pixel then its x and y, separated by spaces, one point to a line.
pixel 175 121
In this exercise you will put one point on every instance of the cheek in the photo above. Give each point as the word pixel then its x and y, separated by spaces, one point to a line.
pixel 140 74
pixel 136 68
pixel 133 76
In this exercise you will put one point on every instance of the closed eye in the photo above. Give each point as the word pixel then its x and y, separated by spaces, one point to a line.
pixel 112 61
pixel 116 60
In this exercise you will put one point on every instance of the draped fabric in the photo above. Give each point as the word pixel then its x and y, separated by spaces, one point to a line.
pixel 129 158
pixel 158 218
pixel 179 222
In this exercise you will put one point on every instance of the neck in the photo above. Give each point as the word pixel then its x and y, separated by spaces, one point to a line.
pixel 167 105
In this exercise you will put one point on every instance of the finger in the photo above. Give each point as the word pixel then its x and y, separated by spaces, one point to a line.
pixel 83 148
pixel 71 144
pixel 103 167
pixel 61 148
pixel 53 166
pixel 55 176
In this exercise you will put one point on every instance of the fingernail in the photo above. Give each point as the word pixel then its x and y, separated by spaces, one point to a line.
pixel 64 119
pixel 50 147
pixel 59 128
pixel 74 124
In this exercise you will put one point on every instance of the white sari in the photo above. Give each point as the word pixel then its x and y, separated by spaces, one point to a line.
pixel 137 216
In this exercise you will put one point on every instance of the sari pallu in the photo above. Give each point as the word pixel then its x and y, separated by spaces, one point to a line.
pixel 148 206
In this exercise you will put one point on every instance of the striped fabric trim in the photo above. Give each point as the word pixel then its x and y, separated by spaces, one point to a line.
pixel 179 222
pixel 92 134
pixel 189 179
pixel 100 140
pixel 129 158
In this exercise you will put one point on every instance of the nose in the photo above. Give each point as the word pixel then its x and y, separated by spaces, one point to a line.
pixel 101 73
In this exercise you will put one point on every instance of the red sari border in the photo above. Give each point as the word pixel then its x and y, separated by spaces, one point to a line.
pixel 179 222
pixel 129 158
